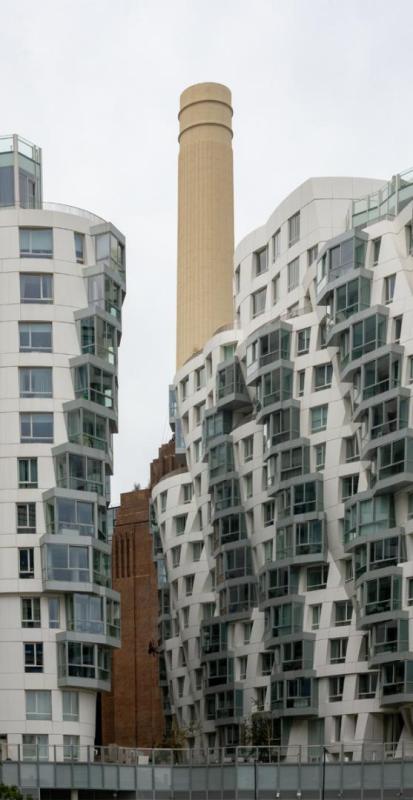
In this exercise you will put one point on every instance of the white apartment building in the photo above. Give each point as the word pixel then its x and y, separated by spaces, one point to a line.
pixel 284 557
pixel 62 283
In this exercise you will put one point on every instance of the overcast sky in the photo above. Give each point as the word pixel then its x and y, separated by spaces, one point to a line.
pixel 320 87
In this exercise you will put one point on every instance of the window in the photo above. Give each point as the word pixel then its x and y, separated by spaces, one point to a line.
pixel 248 445
pixel 319 418
pixel 312 254
pixel 176 556
pixel 276 244
pixel 27 469
pixel 261 261
pixel 303 341
pixel 317 577
pixel 38 704
pixel 247 632
pixel 248 485
pixel 162 500
pixel 187 490
pixel 293 274
pixel 267 548
pixel 389 285
pixel 184 388
pixel 199 378
pixel 301 382
pixel 110 251
pixel 30 610
pixel 197 450
pixel 189 584
pixel 71 747
pixel 409 239
pixel 35 337
pixel 258 302
pixel 80 247
pixel 266 663
pixel 36 288
pixel 185 617
pixel 343 612
pixel 397 328
pixel 54 612
pixel 275 289
pixel 196 550
pixel 33 656
pixel 36 242
pixel 294 229
pixel 352 448
pixel 376 250
pixel 320 456
pixel 36 427
pixel 367 684
pixel 26 517
pixel 26 562
pixel 315 617
pixel 180 523
pixel 336 688
pixel 35 381
pixel 349 486
pixel 243 663
pixel 338 650
pixel 237 279
pixel 322 377
pixel 198 410
pixel 322 336
pixel 268 513
pixel 35 746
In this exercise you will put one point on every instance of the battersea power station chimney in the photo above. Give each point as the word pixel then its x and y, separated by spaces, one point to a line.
pixel 205 217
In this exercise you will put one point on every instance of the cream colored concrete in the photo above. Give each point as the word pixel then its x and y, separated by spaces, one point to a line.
pixel 205 217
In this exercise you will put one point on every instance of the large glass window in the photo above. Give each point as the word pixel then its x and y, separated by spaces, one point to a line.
pixel 94 384
pixel 103 292
pixel 110 251
pixel 98 337
pixel 71 516
pixel 70 703
pixel 35 746
pixel 36 242
pixel 79 472
pixel 36 427
pixel 89 429
pixel 36 288
pixel 38 704
pixel 35 381
pixel 67 563
pixel 35 337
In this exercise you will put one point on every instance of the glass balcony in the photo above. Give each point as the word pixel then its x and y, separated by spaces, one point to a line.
pixel 284 620
pixel 278 582
pixel 384 203
pixel 275 387
pixel 364 516
pixel 302 498
pixel 361 338
pixel 80 473
pixel 271 346
pixel 231 390
pixel 301 540
pixel 83 662
pixel 215 424
pixel 340 255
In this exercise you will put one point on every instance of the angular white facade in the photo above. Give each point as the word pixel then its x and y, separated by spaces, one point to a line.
pixel 62 283
pixel 284 555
